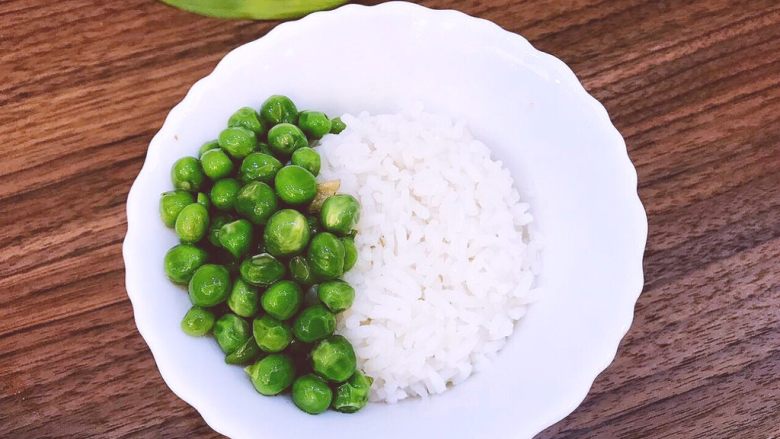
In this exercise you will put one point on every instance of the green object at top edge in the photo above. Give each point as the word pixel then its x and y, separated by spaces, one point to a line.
pixel 254 9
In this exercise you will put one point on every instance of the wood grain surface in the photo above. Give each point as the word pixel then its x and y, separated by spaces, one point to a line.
pixel 693 86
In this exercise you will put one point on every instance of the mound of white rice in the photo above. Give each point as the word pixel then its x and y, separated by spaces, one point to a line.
pixel 445 264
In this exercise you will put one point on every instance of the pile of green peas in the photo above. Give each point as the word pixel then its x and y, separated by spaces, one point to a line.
pixel 263 264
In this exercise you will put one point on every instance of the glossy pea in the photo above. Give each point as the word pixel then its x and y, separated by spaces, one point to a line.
pixel 326 256
pixel 215 225
pixel 197 321
pixel 224 193
pixel 259 166
pixel 231 332
pixel 192 223
pixel 243 299
pixel 270 334
pixel 352 395
pixel 350 253
pixel 314 123
pixel 181 262
pixel 256 201
pixel 295 185
pixel 171 204
pixel 278 109
pixel 311 394
pixel 337 295
pixel 300 270
pixel 246 353
pixel 236 237
pixel 314 323
pixel 307 158
pixel 187 174
pixel 208 146
pixel 272 374
pixel 337 125
pixel 237 141
pixel 286 233
pixel 285 138
pixel 334 359
pixel 248 118
pixel 216 164
pixel 261 270
pixel 340 214
pixel 282 299
pixel 209 285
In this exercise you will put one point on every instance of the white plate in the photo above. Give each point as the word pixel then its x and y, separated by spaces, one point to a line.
pixel 558 142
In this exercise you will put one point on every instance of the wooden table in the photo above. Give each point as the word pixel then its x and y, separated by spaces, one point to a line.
pixel 694 87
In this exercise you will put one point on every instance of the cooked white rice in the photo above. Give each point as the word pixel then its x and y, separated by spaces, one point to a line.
pixel 445 262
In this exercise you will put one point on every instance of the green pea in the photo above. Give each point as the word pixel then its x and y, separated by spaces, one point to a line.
pixel 181 262
pixel 261 270
pixel 285 138
pixel 171 203
pixel 216 164
pixel 246 353
pixel 272 374
pixel 282 299
pixel 271 335
pixel 216 224
pixel 192 223
pixel 350 253
pixel 243 299
pixel 337 295
pixel 286 233
pixel 334 359
pixel 224 193
pixel 295 185
pixel 237 141
pixel 209 285
pixel 326 256
pixel 307 158
pixel 278 109
pixel 314 323
pixel 208 146
pixel 353 394
pixel 300 270
pixel 259 166
pixel 311 394
pixel 340 214
pixel 236 237
pixel 231 332
pixel 203 200
pixel 247 118
pixel 187 174
pixel 197 321
pixel 337 125
pixel 314 123
pixel 256 201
